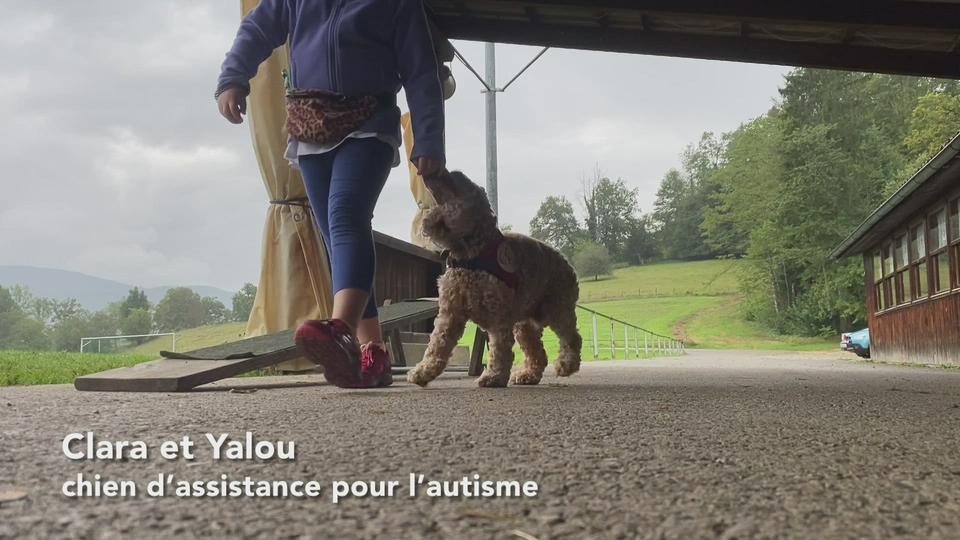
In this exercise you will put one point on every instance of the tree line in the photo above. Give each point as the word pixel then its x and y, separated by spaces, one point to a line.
pixel 780 191
pixel 28 322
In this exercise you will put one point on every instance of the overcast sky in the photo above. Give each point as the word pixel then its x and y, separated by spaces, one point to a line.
pixel 116 163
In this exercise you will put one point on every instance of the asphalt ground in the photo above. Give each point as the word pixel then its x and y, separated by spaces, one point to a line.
pixel 711 445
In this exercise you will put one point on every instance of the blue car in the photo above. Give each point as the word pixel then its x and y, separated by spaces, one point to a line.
pixel 856 342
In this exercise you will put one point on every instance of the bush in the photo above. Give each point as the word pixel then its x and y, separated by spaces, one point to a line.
pixel 592 260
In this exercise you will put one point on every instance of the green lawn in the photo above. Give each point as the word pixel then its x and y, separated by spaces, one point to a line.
pixel 23 368
pixel 192 339
pixel 695 301
pixel 697 278
pixel 722 326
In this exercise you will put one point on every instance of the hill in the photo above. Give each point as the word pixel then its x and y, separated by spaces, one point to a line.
pixel 192 339
pixel 666 279
pixel 92 292
pixel 696 301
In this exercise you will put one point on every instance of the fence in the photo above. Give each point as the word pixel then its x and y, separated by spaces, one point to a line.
pixel 99 339
pixel 623 340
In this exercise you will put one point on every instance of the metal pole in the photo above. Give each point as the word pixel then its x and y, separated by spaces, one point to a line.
pixel 174 342
pixel 613 342
pixel 646 346
pixel 491 81
pixel 596 342
pixel 626 342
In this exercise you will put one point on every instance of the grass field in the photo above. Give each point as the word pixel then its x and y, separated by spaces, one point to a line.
pixel 192 339
pixel 23 368
pixel 694 301
pixel 667 279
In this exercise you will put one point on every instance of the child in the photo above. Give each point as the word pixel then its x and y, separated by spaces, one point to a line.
pixel 356 48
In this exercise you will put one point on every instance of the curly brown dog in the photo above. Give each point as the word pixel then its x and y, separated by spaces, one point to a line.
pixel 511 285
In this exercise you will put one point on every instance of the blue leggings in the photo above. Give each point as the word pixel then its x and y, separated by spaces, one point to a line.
pixel 343 186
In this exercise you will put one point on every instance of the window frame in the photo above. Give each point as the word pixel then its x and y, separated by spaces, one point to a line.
pixel 916 279
pixel 942 250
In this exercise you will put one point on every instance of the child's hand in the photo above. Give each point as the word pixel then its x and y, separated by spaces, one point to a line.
pixel 428 166
pixel 233 104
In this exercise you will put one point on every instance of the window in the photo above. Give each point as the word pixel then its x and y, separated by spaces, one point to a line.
pixel 901 262
pixel 955 221
pixel 939 257
pixel 918 262
pixel 878 279
pixel 955 240
pixel 938 230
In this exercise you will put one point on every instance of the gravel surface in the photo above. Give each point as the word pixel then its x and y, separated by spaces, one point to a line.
pixel 712 445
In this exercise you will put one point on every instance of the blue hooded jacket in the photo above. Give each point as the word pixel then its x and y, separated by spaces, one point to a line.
pixel 352 47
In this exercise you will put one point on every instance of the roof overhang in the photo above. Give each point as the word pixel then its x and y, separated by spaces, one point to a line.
pixel 922 190
pixel 904 37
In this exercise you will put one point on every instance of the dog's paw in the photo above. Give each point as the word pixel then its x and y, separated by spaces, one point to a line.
pixel 493 380
pixel 526 377
pixel 418 376
pixel 566 369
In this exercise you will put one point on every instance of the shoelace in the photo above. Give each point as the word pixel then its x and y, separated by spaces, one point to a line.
pixel 367 360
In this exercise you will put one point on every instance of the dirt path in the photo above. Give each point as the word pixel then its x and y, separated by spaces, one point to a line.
pixel 713 445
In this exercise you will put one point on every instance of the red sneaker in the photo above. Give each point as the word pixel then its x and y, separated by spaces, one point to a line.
pixel 375 366
pixel 331 344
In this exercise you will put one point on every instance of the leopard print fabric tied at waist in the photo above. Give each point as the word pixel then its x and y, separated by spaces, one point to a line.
pixel 324 118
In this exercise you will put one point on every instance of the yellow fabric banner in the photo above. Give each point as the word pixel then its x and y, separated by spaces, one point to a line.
pixel 295 282
pixel 421 194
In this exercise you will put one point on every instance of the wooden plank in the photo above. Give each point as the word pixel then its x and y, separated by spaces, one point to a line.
pixel 166 375
pixel 476 353
pixel 183 371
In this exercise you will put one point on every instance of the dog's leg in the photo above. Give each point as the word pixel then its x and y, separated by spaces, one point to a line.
pixel 564 324
pixel 501 359
pixel 530 337
pixel 447 330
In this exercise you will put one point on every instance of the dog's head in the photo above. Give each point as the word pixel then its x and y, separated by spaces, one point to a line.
pixel 463 213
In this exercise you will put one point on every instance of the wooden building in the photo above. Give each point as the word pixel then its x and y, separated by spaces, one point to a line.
pixel 890 36
pixel 911 252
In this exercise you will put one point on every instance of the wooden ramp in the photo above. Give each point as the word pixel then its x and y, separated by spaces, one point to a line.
pixel 179 372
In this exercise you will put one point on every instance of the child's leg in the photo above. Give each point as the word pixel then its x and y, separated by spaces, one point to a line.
pixel 360 169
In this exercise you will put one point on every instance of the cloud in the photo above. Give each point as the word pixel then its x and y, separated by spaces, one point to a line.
pixel 116 162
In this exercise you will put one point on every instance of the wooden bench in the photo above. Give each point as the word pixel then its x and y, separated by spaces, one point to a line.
pixel 179 372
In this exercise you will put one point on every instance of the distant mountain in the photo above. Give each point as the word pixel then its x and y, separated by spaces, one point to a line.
pixel 92 292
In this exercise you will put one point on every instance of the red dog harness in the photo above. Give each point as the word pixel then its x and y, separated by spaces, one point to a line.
pixel 496 258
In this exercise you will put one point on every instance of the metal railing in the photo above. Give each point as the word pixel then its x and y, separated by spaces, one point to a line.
pixel 636 342
pixel 99 339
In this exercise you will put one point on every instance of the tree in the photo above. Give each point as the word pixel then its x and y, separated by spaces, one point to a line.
pixel 611 212
pixel 747 186
pixel 243 302
pixel 592 259
pixel 180 308
pixel 136 300
pixel 62 310
pixel 556 224
pixel 933 123
pixel 26 334
pixel 683 199
pixel 137 323
pixel 10 315
pixel 641 246
pixel 214 312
